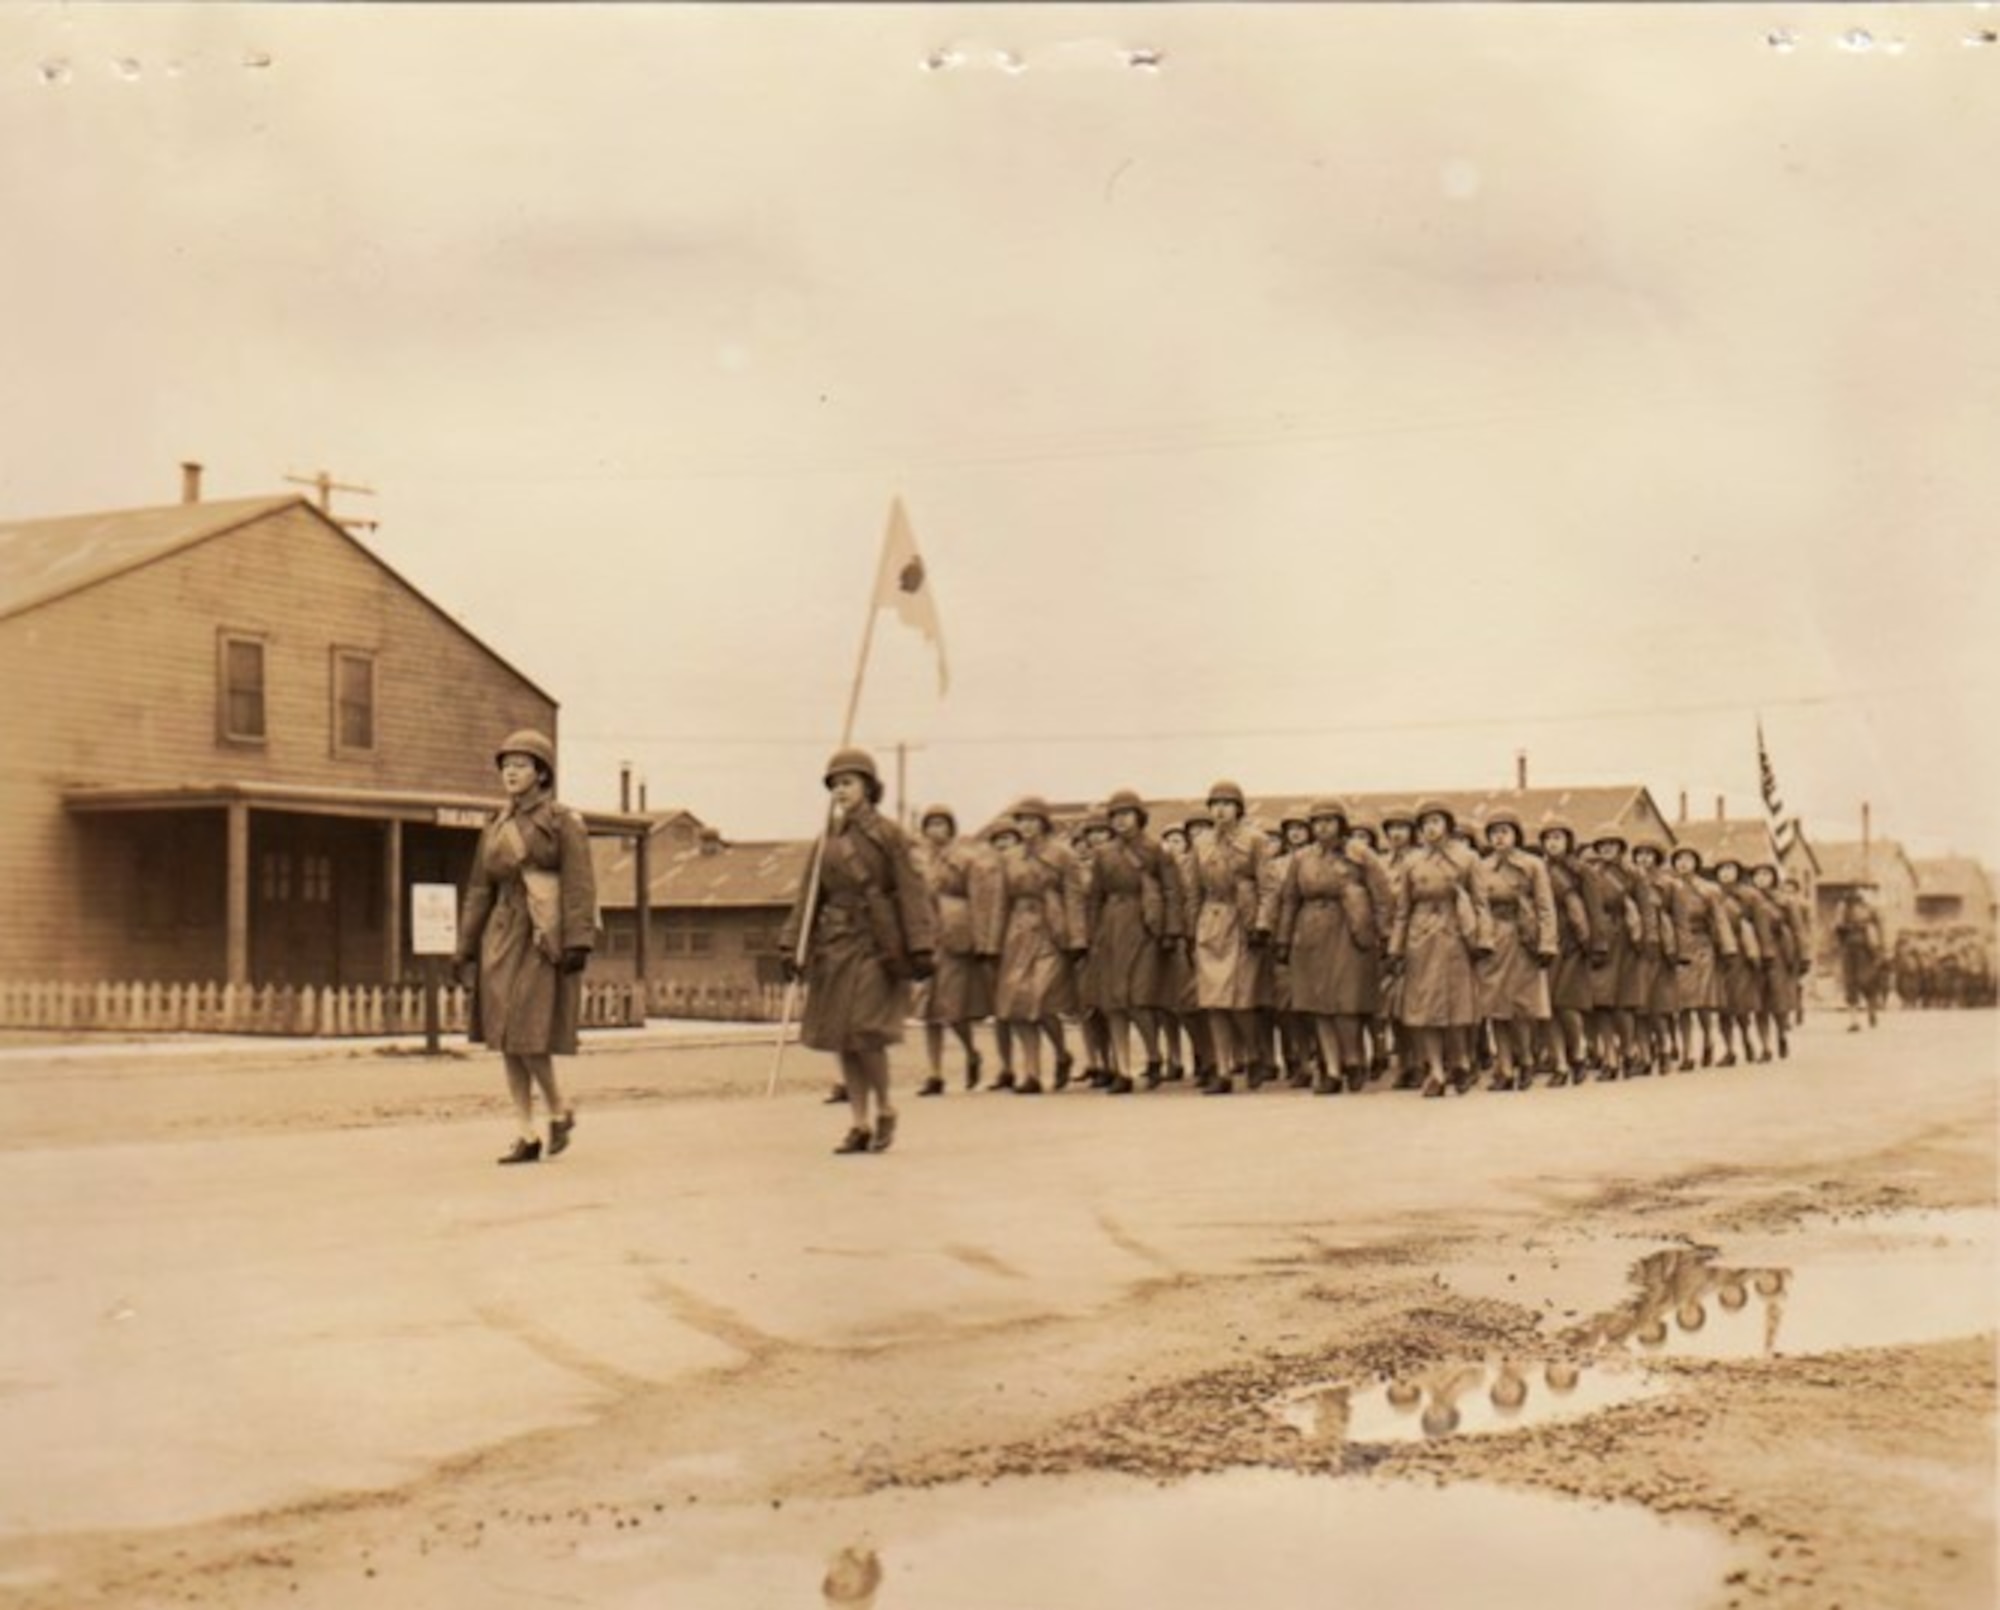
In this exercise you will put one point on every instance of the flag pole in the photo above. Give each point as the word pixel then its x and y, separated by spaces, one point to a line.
pixel 804 940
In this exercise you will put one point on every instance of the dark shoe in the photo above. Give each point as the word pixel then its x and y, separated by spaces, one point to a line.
pixel 1151 1077
pixel 1220 1085
pixel 1607 1076
pixel 559 1129
pixel 1005 1082
pixel 1175 1074
pixel 932 1086
pixel 1708 1056
pixel 1727 1060
pixel 1434 1087
pixel 885 1133
pixel 1324 1086
pixel 1854 1028
pixel 1028 1087
pixel 1687 1064
pixel 1784 1048
pixel 1463 1080
pixel 856 1141
pixel 1119 1085
pixel 1559 1078
pixel 1064 1063
pixel 1357 1078
pixel 836 1097
pixel 972 1066
pixel 1501 1081
pixel 525 1151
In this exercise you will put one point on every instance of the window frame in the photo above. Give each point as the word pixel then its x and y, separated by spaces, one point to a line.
pixel 337 653
pixel 226 639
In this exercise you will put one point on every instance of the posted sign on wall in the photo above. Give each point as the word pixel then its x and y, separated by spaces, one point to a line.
pixel 433 919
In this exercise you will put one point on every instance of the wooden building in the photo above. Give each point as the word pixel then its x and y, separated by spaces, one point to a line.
pixel 1879 865
pixel 710 930
pixel 1955 891
pixel 237 739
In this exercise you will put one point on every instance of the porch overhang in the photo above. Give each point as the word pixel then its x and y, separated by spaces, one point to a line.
pixel 368 804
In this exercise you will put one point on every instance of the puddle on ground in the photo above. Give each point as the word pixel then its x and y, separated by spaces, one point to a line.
pixel 1888 1281
pixel 1246 1537
pixel 1459 1399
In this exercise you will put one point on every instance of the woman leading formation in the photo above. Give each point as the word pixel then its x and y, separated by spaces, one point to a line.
pixel 525 936
pixel 871 933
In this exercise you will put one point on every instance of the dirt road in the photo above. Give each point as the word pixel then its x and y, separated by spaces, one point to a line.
pixel 278 1332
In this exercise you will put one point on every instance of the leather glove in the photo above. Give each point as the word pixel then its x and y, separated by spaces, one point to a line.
pixel 1545 958
pixel 922 965
pixel 1260 938
pixel 575 959
pixel 989 955
pixel 791 969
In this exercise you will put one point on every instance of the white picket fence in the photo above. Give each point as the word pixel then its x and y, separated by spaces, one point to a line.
pixel 304 1009
pixel 736 1003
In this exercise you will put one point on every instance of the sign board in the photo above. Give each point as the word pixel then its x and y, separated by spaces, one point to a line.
pixel 433 919
pixel 462 816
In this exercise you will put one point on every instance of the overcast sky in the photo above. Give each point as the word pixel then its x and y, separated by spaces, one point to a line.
pixel 1348 399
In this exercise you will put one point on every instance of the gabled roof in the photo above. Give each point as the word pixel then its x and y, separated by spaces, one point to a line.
pixel 1842 862
pixel 709 874
pixel 1954 875
pixel 1586 809
pixel 43 560
pixel 1746 839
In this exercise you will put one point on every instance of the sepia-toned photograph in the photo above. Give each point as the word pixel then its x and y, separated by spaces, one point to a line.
pixel 997 807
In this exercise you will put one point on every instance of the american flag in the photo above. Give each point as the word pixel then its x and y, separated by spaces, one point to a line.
pixel 1784 828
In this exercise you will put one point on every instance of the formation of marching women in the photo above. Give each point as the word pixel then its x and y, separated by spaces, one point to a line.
pixel 1327 952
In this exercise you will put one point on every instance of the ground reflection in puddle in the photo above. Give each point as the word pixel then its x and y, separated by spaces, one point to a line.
pixel 1246 1537
pixel 1459 1399
pixel 1888 1281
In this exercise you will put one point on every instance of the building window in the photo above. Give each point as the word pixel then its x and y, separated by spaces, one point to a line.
pixel 240 673
pixel 353 701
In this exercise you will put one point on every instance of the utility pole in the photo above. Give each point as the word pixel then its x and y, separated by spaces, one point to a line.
pixel 325 485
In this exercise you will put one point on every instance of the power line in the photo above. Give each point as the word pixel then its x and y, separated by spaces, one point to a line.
pixel 1515 719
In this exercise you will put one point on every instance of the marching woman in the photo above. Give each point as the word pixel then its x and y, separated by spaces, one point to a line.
pixel 1579 945
pixel 1136 920
pixel 1742 968
pixel 525 935
pixel 1705 939
pixel 1659 949
pixel 1037 932
pixel 1441 924
pixel 1514 977
pixel 1329 929
pixel 1184 1008
pixel 1780 987
pixel 1091 835
pixel 1298 1039
pixel 963 885
pixel 1003 838
pixel 1364 848
pixel 872 932
pixel 1228 867
pixel 1620 989
pixel 1399 831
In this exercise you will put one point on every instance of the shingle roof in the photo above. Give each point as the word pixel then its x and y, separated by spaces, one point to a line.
pixel 1958 875
pixel 42 560
pixel 1587 809
pixel 1843 861
pixel 1746 839
pixel 766 873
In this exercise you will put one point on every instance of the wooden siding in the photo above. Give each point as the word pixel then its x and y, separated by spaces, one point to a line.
pixel 118 684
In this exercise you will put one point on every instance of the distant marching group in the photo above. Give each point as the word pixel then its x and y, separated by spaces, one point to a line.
pixel 1324 954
